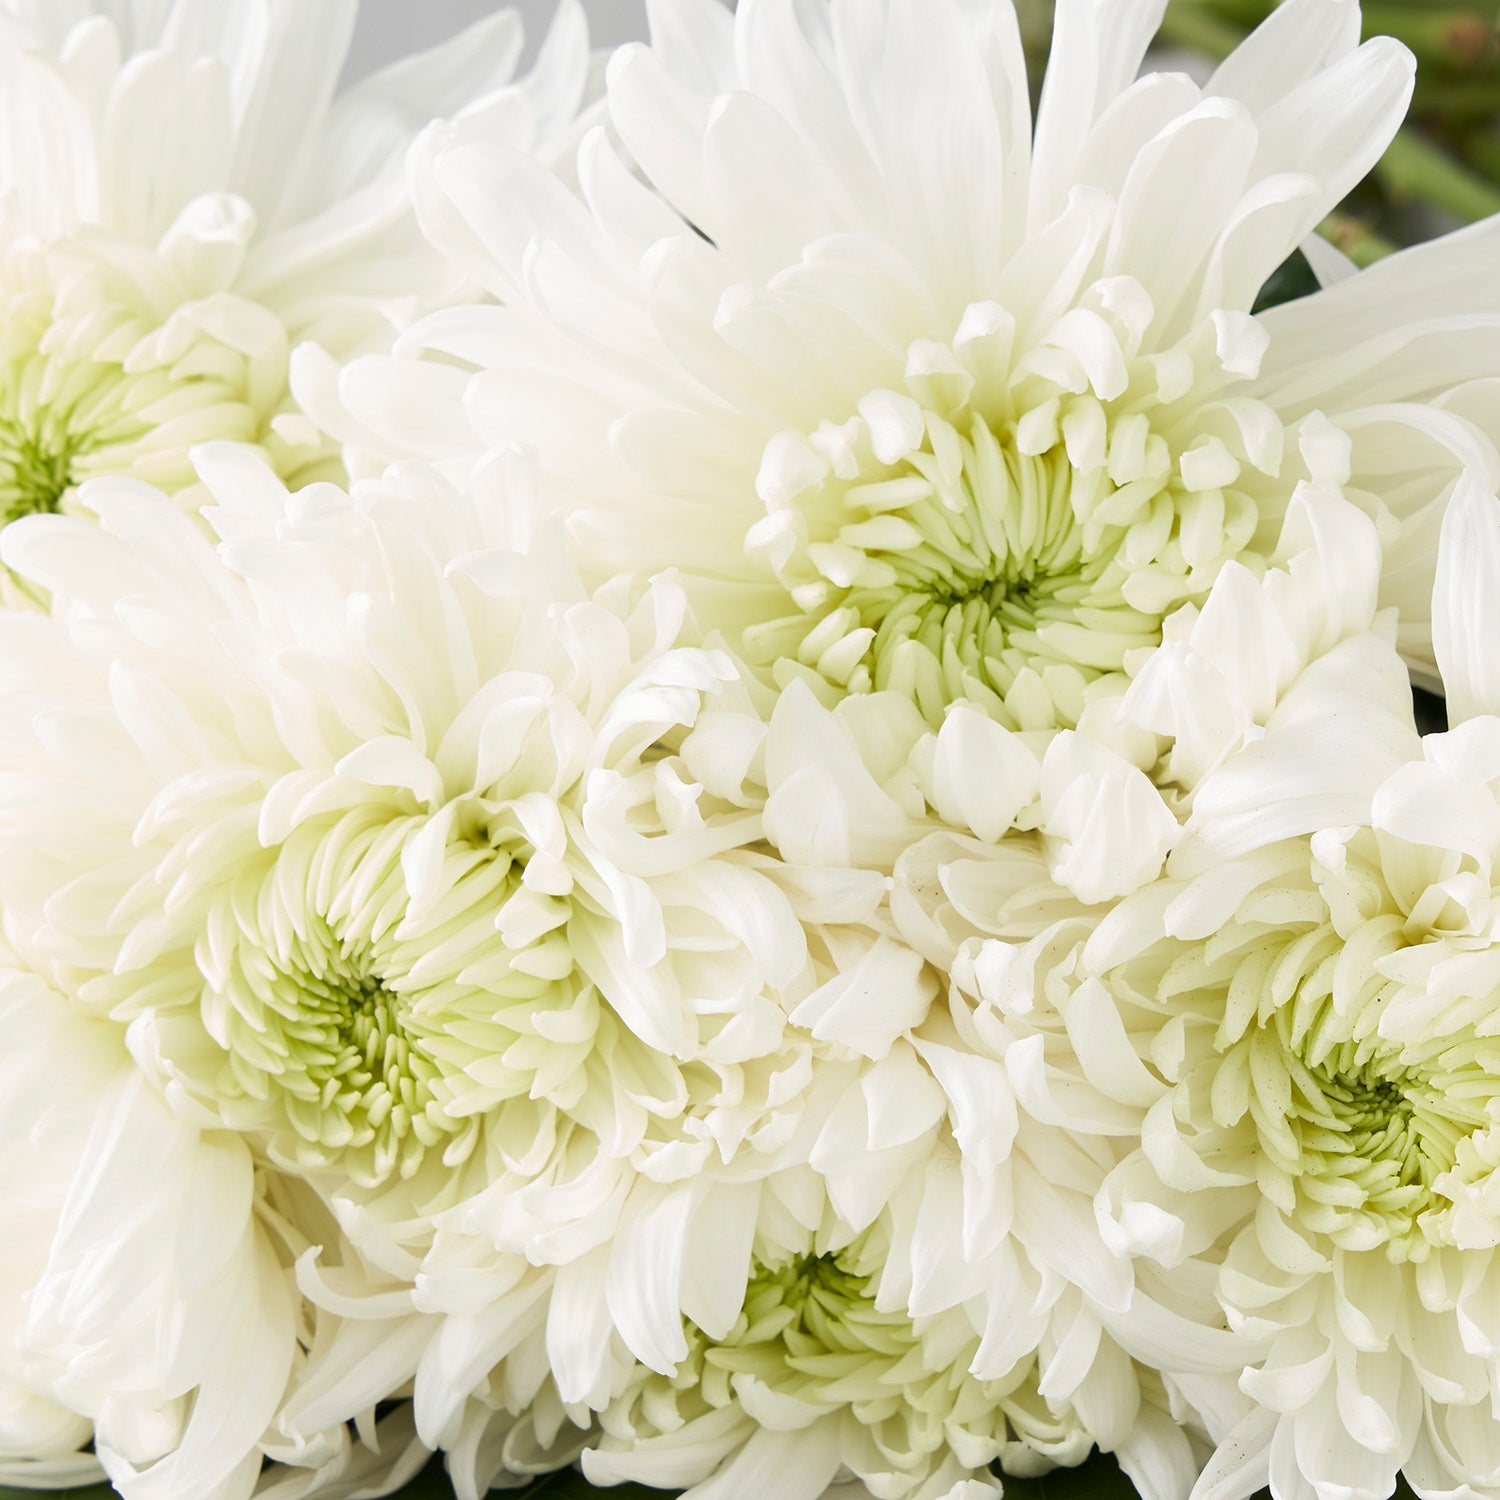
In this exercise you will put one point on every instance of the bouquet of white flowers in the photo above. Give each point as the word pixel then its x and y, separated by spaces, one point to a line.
pixel 708 769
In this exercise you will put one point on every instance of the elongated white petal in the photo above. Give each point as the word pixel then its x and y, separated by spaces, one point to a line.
pixel 1466 602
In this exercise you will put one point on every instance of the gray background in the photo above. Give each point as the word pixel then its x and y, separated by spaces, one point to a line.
pixel 389 29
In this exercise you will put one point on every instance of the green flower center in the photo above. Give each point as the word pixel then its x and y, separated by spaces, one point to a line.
pixel 809 1321
pixel 991 594
pixel 65 407
pixel 363 1030
pixel 350 1023
pixel 1388 1122
pixel 65 412
pixel 319 1028
pixel 810 1331
pixel 1364 1103
pixel 989 563
pixel 1355 1132
pixel 33 478
pixel 101 375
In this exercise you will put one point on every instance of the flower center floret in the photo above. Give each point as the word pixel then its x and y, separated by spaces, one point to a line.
pixel 363 1029
pixel 335 1048
pixel 116 364
pixel 806 1323
pixel 1372 1126
pixel 1352 1131
pixel 1006 539
pixel 811 1334
pixel 64 412
pixel 36 469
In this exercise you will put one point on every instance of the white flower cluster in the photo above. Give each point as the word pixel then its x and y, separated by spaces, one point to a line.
pixel 710 771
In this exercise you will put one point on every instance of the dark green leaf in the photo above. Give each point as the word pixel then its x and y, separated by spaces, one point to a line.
pixel 1432 712
pixel 432 1484
pixel 1098 1478
pixel 1294 278
pixel 573 1486
pixel 567 1485
pixel 98 1492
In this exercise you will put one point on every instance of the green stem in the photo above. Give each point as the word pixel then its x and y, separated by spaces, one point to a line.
pixel 1413 168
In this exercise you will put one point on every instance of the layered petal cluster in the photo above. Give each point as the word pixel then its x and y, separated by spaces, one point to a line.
pixel 920 399
pixel 970 1117
pixel 579 985
pixel 817 1381
pixel 185 200
pixel 399 838
pixel 1307 1005
pixel 149 1320
pixel 388 848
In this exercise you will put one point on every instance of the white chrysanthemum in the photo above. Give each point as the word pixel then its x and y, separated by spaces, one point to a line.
pixel 984 1127
pixel 814 1381
pixel 147 1305
pixel 185 200
pixel 963 1164
pixel 1311 1020
pixel 559 1282
pixel 377 823
pixel 410 864
pixel 917 402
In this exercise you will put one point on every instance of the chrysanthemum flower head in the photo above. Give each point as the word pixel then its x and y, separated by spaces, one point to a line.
pixel 957 1153
pixel 1311 1001
pixel 423 892
pixel 184 200
pixel 815 1380
pixel 400 843
pixel 917 402
pixel 149 1321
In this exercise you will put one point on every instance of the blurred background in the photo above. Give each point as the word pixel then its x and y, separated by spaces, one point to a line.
pixel 389 29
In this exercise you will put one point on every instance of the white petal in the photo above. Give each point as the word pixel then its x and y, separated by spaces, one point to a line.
pixel 1466 602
